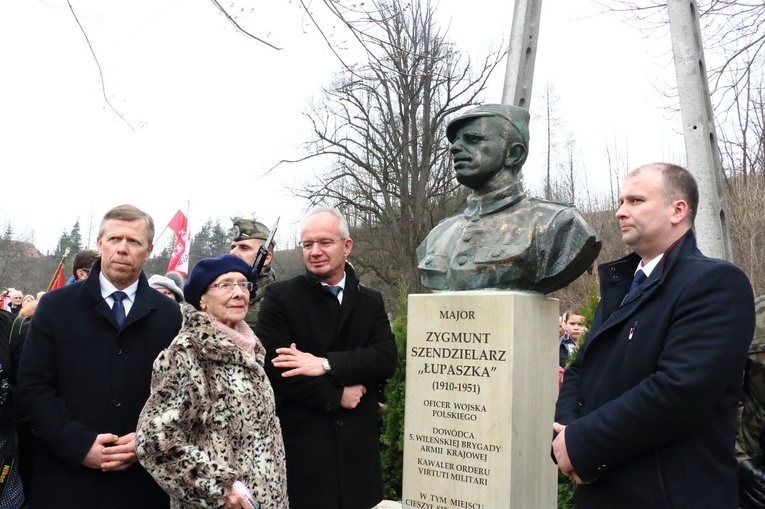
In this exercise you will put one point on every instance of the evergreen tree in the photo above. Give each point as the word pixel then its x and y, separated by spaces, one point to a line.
pixel 71 240
pixel 64 241
pixel 75 238
pixel 219 240
pixel 211 240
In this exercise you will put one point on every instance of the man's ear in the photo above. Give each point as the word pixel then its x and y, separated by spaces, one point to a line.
pixel 680 212
pixel 516 155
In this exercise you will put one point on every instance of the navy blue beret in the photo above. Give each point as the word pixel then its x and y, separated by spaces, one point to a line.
pixel 207 270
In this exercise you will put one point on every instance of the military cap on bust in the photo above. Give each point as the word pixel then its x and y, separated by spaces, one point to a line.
pixel 517 117
pixel 250 229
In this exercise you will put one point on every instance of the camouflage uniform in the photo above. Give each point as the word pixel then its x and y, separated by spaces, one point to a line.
pixel 250 229
pixel 267 276
pixel 751 422
pixel 751 419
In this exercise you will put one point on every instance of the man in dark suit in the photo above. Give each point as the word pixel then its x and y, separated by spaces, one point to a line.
pixel 329 345
pixel 646 414
pixel 85 374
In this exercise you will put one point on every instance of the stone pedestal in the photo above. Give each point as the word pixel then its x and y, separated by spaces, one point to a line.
pixel 481 385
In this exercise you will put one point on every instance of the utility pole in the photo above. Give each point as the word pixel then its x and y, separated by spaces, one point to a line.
pixel 702 152
pixel 522 52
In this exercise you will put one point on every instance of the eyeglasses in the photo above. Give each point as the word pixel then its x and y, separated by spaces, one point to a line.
pixel 307 245
pixel 245 286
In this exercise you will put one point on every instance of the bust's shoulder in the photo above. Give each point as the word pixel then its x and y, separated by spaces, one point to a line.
pixel 445 229
pixel 552 208
pixel 559 216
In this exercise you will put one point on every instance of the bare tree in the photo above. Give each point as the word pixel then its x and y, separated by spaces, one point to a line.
pixel 382 125
pixel 733 30
pixel 747 227
pixel 21 265
pixel 560 182
pixel 733 33
pixel 742 138
pixel 550 97
pixel 231 12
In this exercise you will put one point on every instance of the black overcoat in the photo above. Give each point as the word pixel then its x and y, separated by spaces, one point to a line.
pixel 333 458
pixel 650 402
pixel 81 375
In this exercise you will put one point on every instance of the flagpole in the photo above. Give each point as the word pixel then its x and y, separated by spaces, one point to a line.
pixel 156 239
pixel 59 268
pixel 188 208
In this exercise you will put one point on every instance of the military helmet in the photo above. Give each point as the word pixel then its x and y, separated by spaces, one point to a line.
pixel 249 229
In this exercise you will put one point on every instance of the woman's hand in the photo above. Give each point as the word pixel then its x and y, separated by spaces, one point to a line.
pixel 235 501
pixel 237 498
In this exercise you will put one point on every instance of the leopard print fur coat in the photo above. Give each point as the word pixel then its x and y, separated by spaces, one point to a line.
pixel 210 421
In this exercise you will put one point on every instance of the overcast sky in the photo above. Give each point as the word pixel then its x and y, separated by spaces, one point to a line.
pixel 203 111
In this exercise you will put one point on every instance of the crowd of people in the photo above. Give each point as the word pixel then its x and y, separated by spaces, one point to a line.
pixel 126 391
pixel 122 391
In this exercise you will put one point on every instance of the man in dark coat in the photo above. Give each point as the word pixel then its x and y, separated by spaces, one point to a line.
pixel 646 413
pixel 84 378
pixel 325 360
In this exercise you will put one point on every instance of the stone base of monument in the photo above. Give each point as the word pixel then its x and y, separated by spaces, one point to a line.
pixel 481 385
pixel 388 504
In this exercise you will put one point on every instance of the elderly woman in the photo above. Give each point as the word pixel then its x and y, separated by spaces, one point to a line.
pixel 209 427
pixel 166 286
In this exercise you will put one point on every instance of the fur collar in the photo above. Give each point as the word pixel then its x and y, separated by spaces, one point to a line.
pixel 212 343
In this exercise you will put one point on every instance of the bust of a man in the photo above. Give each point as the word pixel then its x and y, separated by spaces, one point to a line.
pixel 503 239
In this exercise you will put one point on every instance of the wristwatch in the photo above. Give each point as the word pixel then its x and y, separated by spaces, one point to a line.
pixel 325 365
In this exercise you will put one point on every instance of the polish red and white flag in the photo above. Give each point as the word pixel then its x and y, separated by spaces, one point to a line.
pixel 179 260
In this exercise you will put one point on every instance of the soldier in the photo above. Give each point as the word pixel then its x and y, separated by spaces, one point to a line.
pixel 749 447
pixel 248 236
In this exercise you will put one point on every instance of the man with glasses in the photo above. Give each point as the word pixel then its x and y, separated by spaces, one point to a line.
pixel 329 346
pixel 81 265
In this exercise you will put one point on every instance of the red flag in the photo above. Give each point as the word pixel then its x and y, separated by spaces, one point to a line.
pixel 59 279
pixel 179 260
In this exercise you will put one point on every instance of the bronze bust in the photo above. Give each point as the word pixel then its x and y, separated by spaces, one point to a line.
pixel 503 239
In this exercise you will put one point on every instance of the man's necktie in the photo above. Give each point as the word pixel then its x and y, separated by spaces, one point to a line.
pixel 637 282
pixel 335 290
pixel 118 308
